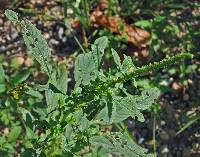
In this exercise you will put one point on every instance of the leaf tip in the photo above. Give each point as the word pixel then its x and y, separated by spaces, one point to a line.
pixel 11 15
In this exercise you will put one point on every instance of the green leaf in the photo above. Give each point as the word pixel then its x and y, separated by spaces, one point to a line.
pixel 21 77
pixel 118 144
pixel 3 76
pixel 30 133
pixel 34 41
pixel 29 153
pixel 34 93
pixel 37 45
pixel 130 106
pixel 14 134
pixel 2 88
pixel 127 64
pixel 116 58
pixel 25 113
pixel 82 121
pixel 144 24
pixel 102 43
pixel 103 142
pixel 57 87
pixel 51 99
pixel 85 69
pixel 11 15
pixel 98 49
pixel 68 131
pixel 62 78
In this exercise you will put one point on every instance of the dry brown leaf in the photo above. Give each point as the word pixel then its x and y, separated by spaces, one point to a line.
pixel 137 36
pixel 177 87
pixel 103 5
pixel 75 23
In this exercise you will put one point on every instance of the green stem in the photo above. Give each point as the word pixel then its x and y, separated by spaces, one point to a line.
pixel 154 135
pixel 65 8
pixel 121 126
pixel 85 5
pixel 69 27
pixel 79 44
pixel 132 73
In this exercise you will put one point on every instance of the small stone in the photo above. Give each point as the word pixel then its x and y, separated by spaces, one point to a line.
pixel 162 123
pixel 171 133
pixel 60 32
pixel 177 86
pixel 2 48
pixel 173 14
pixel 164 136
pixel 14 34
pixel 17 61
pixel 46 36
pixel 1 21
pixel 190 81
pixel 164 151
pixel 144 53
pixel 186 151
pixel 195 146
pixel 29 62
pixel 6 131
pixel 164 83
pixel 141 140
pixel 53 42
pixel 191 112
pixel 8 37
pixel 186 97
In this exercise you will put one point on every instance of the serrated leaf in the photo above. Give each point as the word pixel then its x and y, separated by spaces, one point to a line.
pixel 82 121
pixel 34 41
pixel 85 69
pixel 57 87
pixel 51 99
pixel 116 58
pixel 98 49
pixel 127 64
pixel 102 43
pixel 37 44
pixel 62 78
pixel 130 106
pixel 118 144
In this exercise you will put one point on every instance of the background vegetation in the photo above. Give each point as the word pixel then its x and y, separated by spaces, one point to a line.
pixel 99 85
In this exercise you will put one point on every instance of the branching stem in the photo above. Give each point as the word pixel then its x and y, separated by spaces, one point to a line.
pixel 132 73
